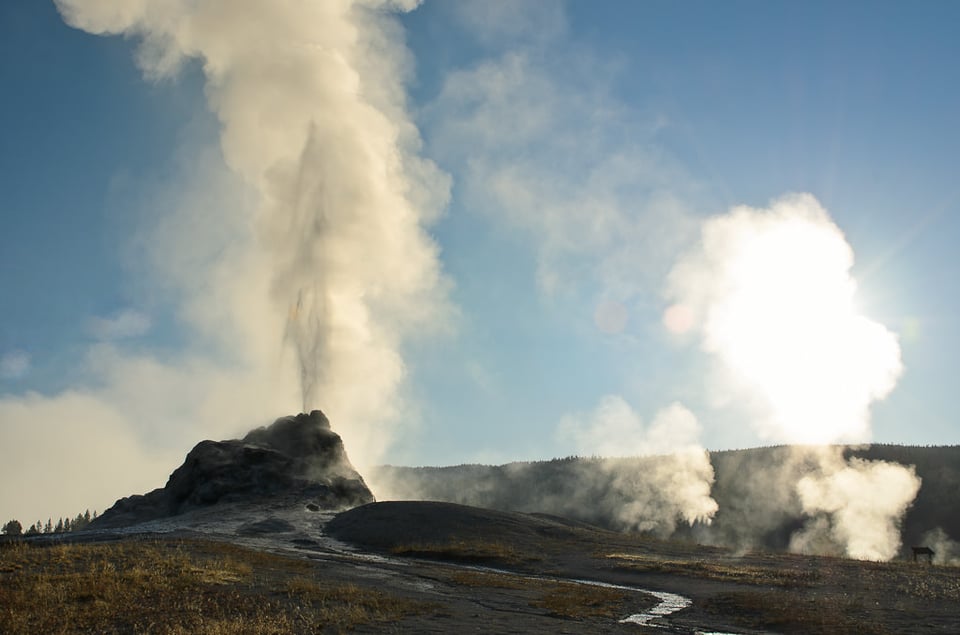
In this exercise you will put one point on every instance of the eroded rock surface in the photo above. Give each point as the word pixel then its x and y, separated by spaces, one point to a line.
pixel 297 457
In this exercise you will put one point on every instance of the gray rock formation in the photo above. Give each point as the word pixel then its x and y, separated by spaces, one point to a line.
pixel 296 458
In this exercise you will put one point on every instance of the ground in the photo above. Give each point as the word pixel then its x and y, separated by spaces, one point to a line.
pixel 438 568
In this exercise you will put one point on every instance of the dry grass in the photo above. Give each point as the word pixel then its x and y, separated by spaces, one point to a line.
pixel 569 600
pixel 578 601
pixel 475 551
pixel 786 612
pixel 780 574
pixel 770 592
pixel 490 580
pixel 176 587
pixel 797 594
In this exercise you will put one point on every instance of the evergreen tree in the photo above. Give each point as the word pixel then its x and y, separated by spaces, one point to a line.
pixel 33 530
pixel 13 528
pixel 48 528
pixel 59 528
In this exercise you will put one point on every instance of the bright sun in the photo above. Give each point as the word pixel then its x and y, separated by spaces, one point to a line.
pixel 772 293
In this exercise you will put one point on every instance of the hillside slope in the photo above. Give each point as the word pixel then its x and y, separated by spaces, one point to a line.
pixel 755 490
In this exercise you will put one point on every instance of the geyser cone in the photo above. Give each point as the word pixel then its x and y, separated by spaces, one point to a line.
pixel 296 458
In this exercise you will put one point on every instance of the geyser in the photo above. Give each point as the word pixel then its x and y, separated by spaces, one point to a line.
pixel 329 268
pixel 296 459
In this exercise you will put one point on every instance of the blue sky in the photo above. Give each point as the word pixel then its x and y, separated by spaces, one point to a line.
pixel 546 121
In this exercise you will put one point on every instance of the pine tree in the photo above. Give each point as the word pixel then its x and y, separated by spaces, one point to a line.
pixel 13 528
pixel 48 528
pixel 59 528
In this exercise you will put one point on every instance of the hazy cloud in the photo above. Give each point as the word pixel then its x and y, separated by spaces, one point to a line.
pixel 14 365
pixel 506 23
pixel 125 324
pixel 544 148
pixel 77 451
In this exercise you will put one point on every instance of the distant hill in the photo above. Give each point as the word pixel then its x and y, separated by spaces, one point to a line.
pixel 755 490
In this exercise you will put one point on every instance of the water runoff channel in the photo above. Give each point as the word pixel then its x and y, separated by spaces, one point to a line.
pixel 225 526
pixel 669 604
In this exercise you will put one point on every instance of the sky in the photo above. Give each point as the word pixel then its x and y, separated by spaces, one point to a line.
pixel 550 197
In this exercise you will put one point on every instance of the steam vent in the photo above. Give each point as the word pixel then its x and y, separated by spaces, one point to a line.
pixel 295 458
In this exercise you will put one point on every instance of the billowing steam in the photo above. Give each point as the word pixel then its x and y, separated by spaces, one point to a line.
pixel 311 103
pixel 675 480
pixel 771 296
pixel 297 248
pixel 855 506
pixel 945 550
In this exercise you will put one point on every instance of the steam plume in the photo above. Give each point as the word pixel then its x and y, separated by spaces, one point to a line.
pixel 311 103
pixel 673 483
pixel 946 551
pixel 771 296
pixel 297 248
pixel 855 506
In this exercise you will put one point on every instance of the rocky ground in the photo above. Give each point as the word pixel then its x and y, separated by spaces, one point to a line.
pixel 448 568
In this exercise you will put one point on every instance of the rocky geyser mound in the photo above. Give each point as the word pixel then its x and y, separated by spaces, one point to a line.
pixel 296 458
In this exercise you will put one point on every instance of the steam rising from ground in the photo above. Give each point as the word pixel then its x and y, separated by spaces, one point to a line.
pixel 307 252
pixel 945 550
pixel 652 478
pixel 771 296
pixel 677 486
pixel 311 103
pixel 855 506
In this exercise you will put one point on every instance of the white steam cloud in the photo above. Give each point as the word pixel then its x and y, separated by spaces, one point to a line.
pixel 855 506
pixel 774 300
pixel 298 249
pixel 311 103
pixel 946 551
pixel 770 294
pixel 675 485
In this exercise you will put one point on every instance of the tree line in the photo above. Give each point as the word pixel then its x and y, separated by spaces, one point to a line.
pixel 754 488
pixel 14 528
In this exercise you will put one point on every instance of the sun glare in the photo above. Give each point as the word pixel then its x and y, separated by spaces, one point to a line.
pixel 780 313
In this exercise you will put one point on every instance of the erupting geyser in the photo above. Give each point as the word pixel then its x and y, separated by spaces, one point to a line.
pixel 296 459
pixel 326 267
